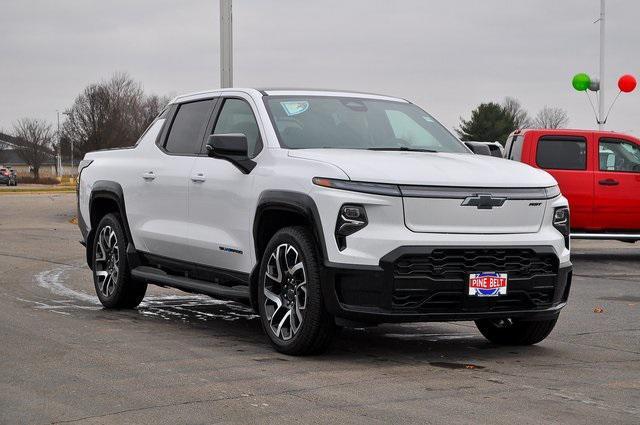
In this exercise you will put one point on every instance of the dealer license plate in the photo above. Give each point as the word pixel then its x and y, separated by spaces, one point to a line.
pixel 487 284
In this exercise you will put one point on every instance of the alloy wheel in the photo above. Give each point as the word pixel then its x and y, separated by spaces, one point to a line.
pixel 285 291
pixel 107 260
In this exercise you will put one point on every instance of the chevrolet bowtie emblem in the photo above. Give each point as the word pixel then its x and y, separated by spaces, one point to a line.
pixel 483 201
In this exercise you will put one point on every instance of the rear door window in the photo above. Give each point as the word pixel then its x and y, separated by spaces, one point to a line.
pixel 562 153
pixel 188 127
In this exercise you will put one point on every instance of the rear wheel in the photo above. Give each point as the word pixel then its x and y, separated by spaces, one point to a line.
pixel 289 296
pixel 515 332
pixel 114 285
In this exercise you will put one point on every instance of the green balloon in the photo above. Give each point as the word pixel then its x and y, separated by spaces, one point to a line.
pixel 581 81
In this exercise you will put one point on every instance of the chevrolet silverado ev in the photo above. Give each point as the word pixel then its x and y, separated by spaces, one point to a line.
pixel 324 209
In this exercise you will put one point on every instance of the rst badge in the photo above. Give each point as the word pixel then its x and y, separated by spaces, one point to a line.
pixel 487 284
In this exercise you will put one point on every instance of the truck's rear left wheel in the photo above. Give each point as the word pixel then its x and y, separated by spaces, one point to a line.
pixel 113 282
pixel 289 296
pixel 515 332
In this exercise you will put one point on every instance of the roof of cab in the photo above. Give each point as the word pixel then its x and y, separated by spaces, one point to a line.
pixel 572 132
pixel 285 92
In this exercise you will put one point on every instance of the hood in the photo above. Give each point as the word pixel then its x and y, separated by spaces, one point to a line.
pixel 430 169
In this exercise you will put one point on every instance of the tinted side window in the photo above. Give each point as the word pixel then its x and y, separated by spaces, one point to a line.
pixel 236 116
pixel 558 153
pixel 619 155
pixel 515 148
pixel 187 129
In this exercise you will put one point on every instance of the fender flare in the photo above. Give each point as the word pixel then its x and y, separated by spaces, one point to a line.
pixel 290 201
pixel 106 189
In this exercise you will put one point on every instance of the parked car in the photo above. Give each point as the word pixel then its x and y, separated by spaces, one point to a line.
pixel 325 209
pixel 486 148
pixel 598 171
pixel 8 177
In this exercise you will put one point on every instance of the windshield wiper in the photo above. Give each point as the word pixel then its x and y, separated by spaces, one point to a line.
pixel 402 149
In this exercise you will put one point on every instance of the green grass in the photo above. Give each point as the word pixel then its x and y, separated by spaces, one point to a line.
pixel 34 190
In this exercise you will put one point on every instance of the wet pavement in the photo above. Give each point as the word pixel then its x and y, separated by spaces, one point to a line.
pixel 183 358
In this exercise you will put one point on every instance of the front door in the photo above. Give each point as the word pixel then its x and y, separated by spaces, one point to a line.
pixel 617 185
pixel 221 199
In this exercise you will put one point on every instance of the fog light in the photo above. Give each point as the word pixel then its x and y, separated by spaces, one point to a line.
pixel 351 218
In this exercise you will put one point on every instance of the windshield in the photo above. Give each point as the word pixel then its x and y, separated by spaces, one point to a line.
pixel 311 122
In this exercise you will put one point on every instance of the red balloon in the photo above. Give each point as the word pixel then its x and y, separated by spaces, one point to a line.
pixel 627 83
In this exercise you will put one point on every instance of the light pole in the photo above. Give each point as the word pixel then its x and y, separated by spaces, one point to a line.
pixel 71 144
pixel 59 156
pixel 601 117
pixel 226 44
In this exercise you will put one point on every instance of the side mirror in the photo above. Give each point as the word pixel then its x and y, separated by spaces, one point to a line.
pixel 232 147
pixel 231 144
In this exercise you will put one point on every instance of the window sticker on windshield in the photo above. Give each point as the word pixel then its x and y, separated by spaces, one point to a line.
pixel 295 107
pixel 427 118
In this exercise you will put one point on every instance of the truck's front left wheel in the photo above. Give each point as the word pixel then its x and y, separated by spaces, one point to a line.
pixel 113 282
pixel 289 295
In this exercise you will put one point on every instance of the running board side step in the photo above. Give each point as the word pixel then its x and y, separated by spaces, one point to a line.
pixel 153 275
pixel 617 236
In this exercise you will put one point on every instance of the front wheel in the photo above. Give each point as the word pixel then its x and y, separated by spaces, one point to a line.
pixel 515 332
pixel 289 294
pixel 113 282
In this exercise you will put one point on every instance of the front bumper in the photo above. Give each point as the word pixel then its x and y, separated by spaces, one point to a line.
pixel 421 284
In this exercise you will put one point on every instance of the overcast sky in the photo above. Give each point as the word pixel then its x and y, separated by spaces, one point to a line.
pixel 446 56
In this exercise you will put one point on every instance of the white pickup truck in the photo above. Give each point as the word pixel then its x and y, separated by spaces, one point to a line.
pixel 325 209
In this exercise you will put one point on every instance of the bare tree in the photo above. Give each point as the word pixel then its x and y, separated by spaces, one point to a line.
pixel 550 117
pixel 517 113
pixel 110 114
pixel 33 139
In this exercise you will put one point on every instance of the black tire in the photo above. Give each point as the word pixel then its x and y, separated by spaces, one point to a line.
pixel 120 291
pixel 316 329
pixel 515 332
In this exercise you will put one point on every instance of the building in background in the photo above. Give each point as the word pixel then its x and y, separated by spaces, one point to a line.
pixel 9 158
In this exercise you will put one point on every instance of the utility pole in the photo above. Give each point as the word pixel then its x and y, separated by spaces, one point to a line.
pixel 226 44
pixel 601 116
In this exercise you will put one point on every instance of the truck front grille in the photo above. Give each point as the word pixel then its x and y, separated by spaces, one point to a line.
pixel 438 281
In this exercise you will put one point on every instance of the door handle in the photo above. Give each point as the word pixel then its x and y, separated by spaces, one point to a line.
pixel 149 175
pixel 198 178
pixel 609 182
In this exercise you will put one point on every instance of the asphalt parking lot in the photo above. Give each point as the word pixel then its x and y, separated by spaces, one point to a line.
pixel 182 358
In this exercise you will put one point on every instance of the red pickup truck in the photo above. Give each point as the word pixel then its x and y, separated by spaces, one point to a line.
pixel 598 172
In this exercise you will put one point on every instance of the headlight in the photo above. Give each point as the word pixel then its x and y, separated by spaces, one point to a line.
pixel 351 218
pixel 373 188
pixel 562 223
pixel 552 191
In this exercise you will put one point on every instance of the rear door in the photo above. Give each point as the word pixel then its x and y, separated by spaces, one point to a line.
pixel 165 181
pixel 617 184
pixel 567 159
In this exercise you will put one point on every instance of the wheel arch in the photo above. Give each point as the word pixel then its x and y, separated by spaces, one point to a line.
pixel 106 197
pixel 275 210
